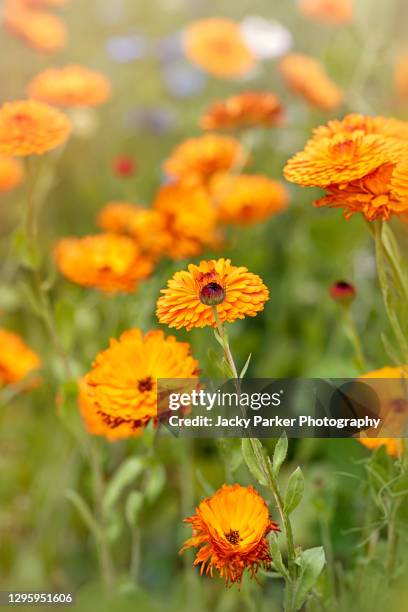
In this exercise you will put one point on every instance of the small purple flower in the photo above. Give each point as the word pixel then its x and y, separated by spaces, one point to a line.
pixel 183 80
pixel 123 49
pixel 156 120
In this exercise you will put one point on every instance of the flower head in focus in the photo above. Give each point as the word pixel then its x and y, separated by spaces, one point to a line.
pixel 230 530
pixel 70 86
pixel 191 294
pixel 11 173
pixel 248 109
pixel 245 199
pixel 108 262
pixel 306 77
pixel 40 29
pixel 17 360
pixel 118 397
pixel 30 127
pixel 217 46
pixel 383 126
pixel 334 12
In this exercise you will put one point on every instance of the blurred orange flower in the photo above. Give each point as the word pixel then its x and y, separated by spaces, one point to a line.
pixel 248 109
pixel 42 30
pixel 11 173
pixel 191 295
pixel 118 397
pixel 245 199
pixel 401 75
pixel 108 262
pixel 230 530
pixel 327 11
pixel 196 160
pixel 17 360
pixel 29 127
pixel 217 46
pixel 70 86
pixel 43 3
pixel 306 77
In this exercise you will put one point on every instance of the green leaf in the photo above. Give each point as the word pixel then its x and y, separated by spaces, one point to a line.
pixel 155 482
pixel 279 455
pixel 311 563
pixel 133 507
pixel 253 454
pixel 245 368
pixel 277 560
pixel 294 491
pixel 123 477
pixel 85 512
pixel 27 253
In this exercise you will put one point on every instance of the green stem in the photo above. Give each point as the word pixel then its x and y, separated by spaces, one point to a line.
pixel 392 543
pixel 352 333
pixel 225 344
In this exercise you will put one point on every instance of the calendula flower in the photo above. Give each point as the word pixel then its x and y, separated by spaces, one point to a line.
pixel 335 12
pixel 30 127
pixel 191 295
pixel 39 29
pixel 230 530
pixel 11 173
pixel 17 360
pixel 244 199
pixel 70 86
pixel 145 225
pixel 390 384
pixel 384 126
pixel 249 109
pixel 118 397
pixel 306 77
pixel 196 160
pixel 401 75
pixel 217 46
pixel 108 262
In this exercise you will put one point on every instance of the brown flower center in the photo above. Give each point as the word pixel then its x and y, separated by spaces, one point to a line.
pixel 212 294
pixel 146 384
pixel 233 536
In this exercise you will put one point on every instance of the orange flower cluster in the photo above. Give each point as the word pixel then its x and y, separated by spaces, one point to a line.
pixel 191 295
pixel 360 161
pixel 29 127
pixel 230 530
pixel 11 173
pixel 118 397
pixel 70 86
pixel 40 29
pixel 217 46
pixel 335 12
pixel 17 360
pixel 249 109
pixel 108 262
pixel 306 77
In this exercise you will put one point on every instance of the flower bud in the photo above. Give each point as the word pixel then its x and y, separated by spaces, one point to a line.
pixel 343 292
pixel 212 294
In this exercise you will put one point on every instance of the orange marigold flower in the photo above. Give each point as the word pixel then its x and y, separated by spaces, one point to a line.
pixel 108 262
pixel 191 295
pixel 327 11
pixel 217 46
pixel 390 385
pixel 230 530
pixel 401 75
pixel 189 220
pixel 385 126
pixel 118 397
pixel 248 109
pixel 42 30
pixel 11 173
pixel 146 225
pixel 306 77
pixel 197 159
pixel 245 199
pixel 343 158
pixel 30 127
pixel 17 360
pixel 70 86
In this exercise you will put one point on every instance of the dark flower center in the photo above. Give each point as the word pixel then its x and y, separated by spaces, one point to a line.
pixel 233 536
pixel 146 384
pixel 212 294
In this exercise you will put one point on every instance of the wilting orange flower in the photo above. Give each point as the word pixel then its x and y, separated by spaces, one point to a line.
pixel 390 385
pixel 196 160
pixel 327 11
pixel 217 46
pixel 70 86
pixel 385 126
pixel 189 220
pixel 30 127
pixel 11 173
pixel 244 199
pixel 17 360
pixel 42 30
pixel 306 77
pixel 248 109
pixel 145 225
pixel 230 530
pixel 191 295
pixel 401 75
pixel 108 262
pixel 118 397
